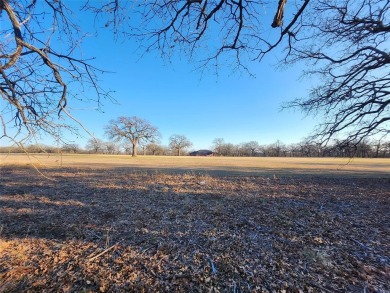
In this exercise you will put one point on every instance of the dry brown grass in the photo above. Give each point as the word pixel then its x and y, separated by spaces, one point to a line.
pixel 120 230
pixel 213 165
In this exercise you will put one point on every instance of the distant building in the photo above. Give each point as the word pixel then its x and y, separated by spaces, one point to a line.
pixel 203 153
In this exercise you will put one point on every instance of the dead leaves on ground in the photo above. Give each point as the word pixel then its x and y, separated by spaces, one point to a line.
pixel 118 231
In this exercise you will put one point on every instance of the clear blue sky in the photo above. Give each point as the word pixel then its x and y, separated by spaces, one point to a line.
pixel 201 106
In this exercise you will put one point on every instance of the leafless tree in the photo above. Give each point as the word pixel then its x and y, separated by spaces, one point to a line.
pixel 385 150
pixel 218 145
pixel 40 67
pixel 179 143
pixel 343 42
pixel 277 148
pixel 347 47
pixel 111 148
pixel 133 130
pixel 142 147
pixel 95 145
pixel 252 146
pixel 155 149
pixel 70 148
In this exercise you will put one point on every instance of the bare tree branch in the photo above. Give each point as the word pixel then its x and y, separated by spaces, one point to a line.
pixel 37 82
pixel 132 129
pixel 344 44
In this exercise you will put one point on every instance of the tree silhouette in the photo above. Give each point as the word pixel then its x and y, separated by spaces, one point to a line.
pixel 343 42
pixel 132 129
pixel 179 142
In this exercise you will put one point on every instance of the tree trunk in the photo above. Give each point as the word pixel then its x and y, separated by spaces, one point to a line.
pixel 178 152
pixel 134 150
pixel 377 150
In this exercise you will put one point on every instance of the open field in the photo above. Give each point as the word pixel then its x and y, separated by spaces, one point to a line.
pixel 119 224
pixel 212 165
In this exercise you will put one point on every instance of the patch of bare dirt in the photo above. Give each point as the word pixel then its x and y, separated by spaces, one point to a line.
pixel 121 231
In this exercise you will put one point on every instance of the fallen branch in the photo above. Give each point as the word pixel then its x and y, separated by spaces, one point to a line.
pixel 104 251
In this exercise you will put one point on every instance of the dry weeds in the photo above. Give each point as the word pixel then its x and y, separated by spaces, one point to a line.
pixel 122 231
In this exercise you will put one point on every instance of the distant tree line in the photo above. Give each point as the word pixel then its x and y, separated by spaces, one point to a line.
pixel 42 72
pixel 375 149
pixel 363 149
pixel 133 135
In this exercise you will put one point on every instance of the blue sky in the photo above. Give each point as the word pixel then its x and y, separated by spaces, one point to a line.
pixel 177 100
pixel 180 100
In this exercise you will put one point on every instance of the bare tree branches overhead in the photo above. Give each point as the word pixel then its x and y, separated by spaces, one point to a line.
pixel 228 31
pixel 349 52
pixel 344 43
pixel 40 68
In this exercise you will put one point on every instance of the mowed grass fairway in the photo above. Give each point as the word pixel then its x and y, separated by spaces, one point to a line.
pixel 102 223
pixel 214 165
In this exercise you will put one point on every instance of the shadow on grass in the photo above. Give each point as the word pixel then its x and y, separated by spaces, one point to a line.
pixel 339 171
pixel 175 231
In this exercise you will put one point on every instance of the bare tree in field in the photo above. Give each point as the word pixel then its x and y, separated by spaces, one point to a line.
pixel 179 142
pixel 345 44
pixel 96 145
pixel 155 149
pixel 133 130
pixel 218 144
pixel 71 148
pixel 252 146
pixel 111 148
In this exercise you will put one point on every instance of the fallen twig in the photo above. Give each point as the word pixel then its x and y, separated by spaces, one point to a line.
pixel 361 244
pixel 213 269
pixel 104 251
